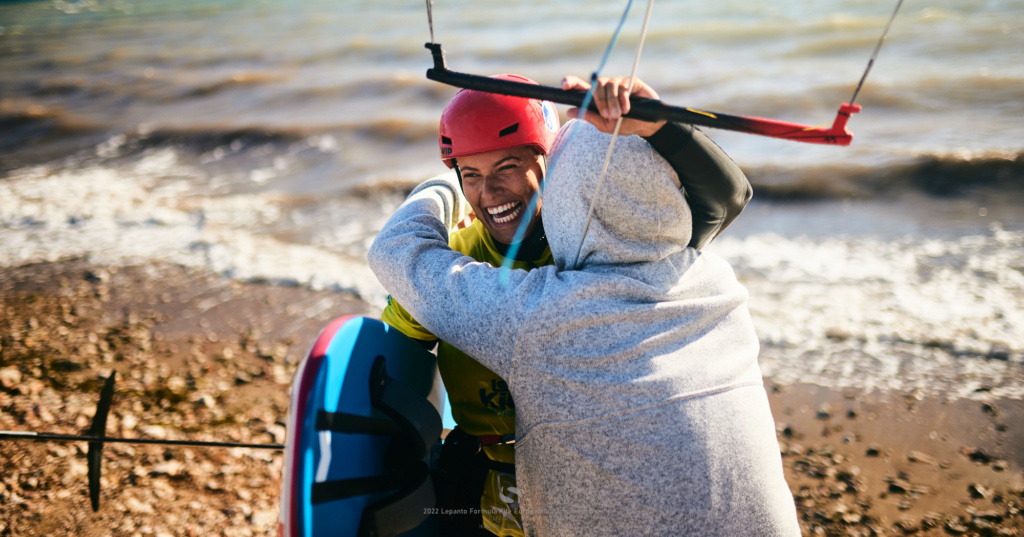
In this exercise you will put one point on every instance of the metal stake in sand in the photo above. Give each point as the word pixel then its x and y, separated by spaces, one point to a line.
pixel 96 440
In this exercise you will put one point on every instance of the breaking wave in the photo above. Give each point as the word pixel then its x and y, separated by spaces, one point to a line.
pixel 943 175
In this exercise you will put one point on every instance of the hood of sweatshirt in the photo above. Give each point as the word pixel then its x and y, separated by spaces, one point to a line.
pixel 640 214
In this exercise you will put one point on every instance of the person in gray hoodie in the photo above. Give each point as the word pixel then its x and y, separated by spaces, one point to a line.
pixel 632 360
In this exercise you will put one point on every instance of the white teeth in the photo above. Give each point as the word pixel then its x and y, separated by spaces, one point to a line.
pixel 502 208
pixel 493 211
pixel 509 218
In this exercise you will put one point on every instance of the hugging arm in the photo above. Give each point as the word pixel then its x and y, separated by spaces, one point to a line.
pixel 463 302
pixel 714 186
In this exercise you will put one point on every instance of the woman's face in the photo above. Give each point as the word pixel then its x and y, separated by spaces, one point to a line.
pixel 499 185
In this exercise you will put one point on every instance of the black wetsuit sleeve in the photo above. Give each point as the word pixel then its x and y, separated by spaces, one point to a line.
pixel 714 186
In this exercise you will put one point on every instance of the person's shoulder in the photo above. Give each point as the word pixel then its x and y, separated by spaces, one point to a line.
pixel 713 271
pixel 470 239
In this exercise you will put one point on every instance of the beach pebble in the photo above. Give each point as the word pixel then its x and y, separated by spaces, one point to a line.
pixel 956 527
pixel 976 455
pixel 906 526
pixel 155 431
pixel 138 507
pixel 990 515
pixel 931 519
pixel 851 517
pixel 277 432
pixel 281 375
pixel 982 525
pixel 202 400
pixel 838 334
pixel 978 490
pixel 898 485
pixel 264 518
pixel 10 377
pixel 824 411
pixel 921 457
pixel 170 468
pixel 44 414
pixel 96 276
pixel 1000 351
pixel 177 384
pixel 129 421
pixel 847 474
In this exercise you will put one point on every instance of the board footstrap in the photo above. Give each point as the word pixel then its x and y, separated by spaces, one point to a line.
pixel 340 489
pixel 343 422
pixel 402 511
pixel 413 413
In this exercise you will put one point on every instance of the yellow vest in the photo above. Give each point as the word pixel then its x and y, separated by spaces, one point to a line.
pixel 480 399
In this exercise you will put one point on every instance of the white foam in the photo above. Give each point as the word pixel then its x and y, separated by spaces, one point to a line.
pixel 146 213
pixel 911 314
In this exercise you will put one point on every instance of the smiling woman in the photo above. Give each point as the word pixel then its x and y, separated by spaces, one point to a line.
pixel 499 185
pixel 497 143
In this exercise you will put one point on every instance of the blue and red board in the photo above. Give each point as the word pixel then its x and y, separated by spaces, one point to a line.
pixel 345 456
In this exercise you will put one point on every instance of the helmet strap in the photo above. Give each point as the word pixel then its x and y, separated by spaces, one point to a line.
pixel 544 159
pixel 458 173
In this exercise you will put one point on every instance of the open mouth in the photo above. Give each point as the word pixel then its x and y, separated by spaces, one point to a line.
pixel 506 212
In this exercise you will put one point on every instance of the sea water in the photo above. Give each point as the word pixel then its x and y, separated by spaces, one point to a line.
pixel 270 139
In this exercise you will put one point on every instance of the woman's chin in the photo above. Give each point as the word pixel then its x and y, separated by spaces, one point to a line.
pixel 505 232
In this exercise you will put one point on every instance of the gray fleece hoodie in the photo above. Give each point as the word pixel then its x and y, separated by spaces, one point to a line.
pixel 640 407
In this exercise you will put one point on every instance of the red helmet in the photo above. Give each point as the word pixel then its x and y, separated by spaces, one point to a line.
pixel 477 122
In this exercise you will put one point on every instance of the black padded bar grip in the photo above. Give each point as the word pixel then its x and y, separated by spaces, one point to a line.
pixel 640 107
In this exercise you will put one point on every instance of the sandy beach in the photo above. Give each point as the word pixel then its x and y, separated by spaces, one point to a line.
pixel 203 357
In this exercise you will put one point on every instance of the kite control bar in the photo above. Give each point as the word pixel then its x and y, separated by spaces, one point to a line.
pixel 651 109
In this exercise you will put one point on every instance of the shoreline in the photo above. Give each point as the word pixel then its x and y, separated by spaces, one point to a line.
pixel 204 357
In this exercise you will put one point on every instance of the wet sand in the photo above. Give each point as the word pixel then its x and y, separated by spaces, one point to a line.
pixel 203 357
pixel 893 464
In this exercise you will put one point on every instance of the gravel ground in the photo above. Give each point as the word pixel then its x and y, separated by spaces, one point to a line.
pixel 888 464
pixel 204 357
pixel 198 357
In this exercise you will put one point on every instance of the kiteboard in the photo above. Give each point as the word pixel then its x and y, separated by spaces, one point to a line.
pixel 367 411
